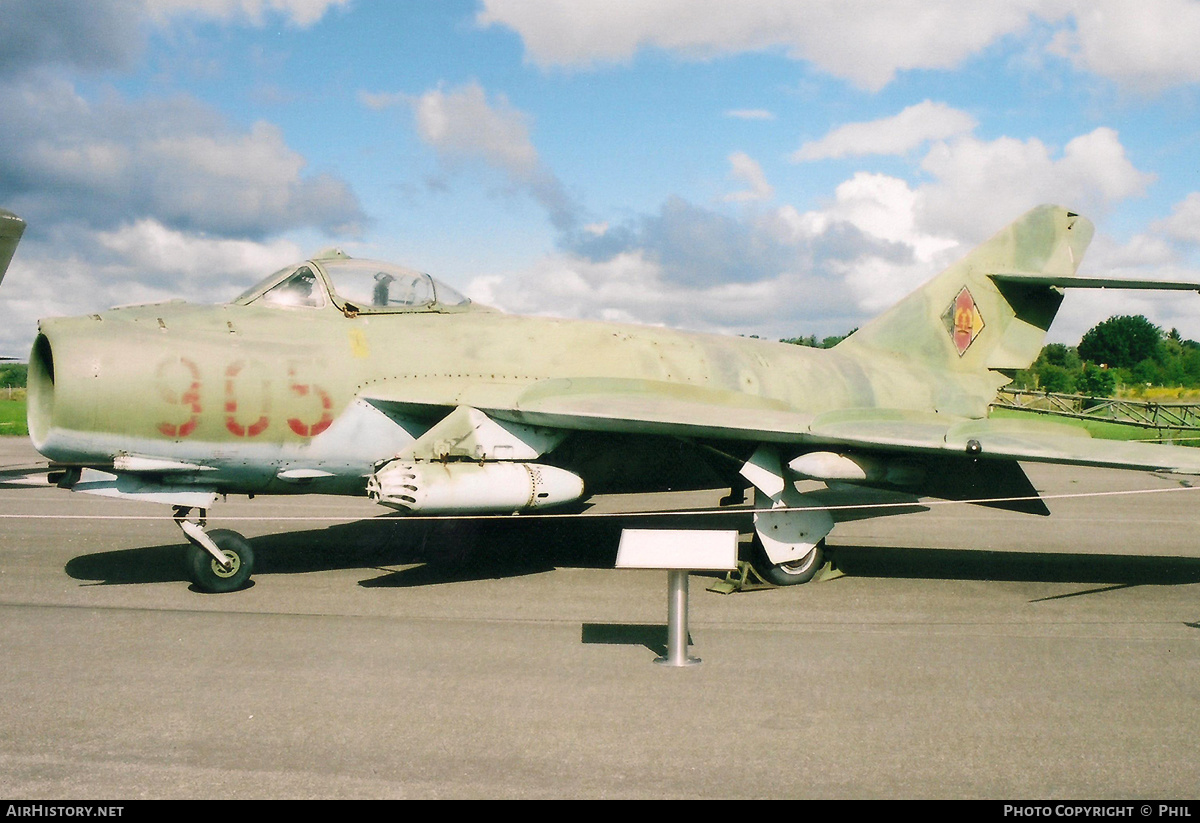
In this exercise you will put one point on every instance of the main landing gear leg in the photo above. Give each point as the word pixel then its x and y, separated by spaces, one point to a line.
pixel 216 561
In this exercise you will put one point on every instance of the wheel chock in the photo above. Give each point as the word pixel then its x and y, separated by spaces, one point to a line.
pixel 743 578
pixel 829 571
pixel 746 578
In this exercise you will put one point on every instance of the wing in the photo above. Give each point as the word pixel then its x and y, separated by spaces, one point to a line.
pixel 608 405
pixel 652 407
pixel 924 454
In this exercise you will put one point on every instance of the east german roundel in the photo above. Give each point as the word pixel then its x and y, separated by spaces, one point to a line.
pixel 963 321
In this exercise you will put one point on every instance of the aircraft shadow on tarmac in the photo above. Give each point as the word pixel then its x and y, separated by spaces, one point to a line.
pixel 433 552
pixel 448 551
pixel 28 474
pixel 1103 571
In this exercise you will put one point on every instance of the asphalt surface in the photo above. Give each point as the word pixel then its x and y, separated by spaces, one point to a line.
pixel 967 653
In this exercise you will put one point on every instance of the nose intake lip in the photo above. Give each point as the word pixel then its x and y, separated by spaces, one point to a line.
pixel 40 413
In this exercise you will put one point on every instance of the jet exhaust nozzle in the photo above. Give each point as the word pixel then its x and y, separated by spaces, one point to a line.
pixel 472 488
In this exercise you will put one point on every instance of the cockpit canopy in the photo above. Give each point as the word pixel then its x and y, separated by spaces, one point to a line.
pixel 355 286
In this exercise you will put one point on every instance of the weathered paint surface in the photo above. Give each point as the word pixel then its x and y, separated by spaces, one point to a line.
pixel 273 397
pixel 165 376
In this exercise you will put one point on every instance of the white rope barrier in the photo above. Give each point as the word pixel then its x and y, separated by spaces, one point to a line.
pixel 598 515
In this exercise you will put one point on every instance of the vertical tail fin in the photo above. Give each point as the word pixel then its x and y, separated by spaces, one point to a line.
pixel 11 229
pixel 967 320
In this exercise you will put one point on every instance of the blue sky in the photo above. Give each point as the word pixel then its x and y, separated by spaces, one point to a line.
pixel 770 167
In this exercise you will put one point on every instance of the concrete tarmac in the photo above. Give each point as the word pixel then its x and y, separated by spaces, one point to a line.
pixel 967 653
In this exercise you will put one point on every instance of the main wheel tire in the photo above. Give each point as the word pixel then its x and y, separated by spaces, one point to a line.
pixel 210 576
pixel 789 574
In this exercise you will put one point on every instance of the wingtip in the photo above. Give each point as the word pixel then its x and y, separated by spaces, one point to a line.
pixel 11 229
pixel 10 224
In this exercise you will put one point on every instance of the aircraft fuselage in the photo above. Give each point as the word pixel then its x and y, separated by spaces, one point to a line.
pixel 249 391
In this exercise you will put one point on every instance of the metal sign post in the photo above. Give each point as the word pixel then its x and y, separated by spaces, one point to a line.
pixel 677 621
pixel 678 551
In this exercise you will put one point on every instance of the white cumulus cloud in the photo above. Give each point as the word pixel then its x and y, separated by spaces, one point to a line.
pixel 744 169
pixel 164 254
pixel 1184 222
pixel 979 184
pixel 463 124
pixel 862 41
pixel 115 161
pixel 1147 46
pixel 750 114
pixel 910 129
pixel 301 13
pixel 784 272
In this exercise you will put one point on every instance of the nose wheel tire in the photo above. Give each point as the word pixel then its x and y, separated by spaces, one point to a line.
pixel 792 573
pixel 210 576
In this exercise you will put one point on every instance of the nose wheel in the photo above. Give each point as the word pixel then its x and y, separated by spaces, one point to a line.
pixel 216 561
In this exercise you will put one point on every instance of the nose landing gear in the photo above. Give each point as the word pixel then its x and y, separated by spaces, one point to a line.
pixel 216 561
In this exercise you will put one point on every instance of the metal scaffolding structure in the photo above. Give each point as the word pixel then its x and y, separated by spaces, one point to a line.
pixel 1167 416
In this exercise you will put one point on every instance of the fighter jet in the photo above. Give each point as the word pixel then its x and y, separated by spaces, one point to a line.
pixel 340 375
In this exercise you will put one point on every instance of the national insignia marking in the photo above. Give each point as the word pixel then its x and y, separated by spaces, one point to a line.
pixel 963 321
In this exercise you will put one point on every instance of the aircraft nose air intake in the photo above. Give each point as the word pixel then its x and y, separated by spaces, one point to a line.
pixel 41 391
pixel 472 488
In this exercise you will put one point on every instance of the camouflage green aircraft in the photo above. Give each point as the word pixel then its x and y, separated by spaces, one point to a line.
pixel 346 376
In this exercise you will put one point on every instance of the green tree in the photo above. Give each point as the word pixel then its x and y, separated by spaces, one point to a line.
pixel 1054 378
pixel 813 343
pixel 1095 381
pixel 1059 354
pixel 13 374
pixel 1055 370
pixel 1122 342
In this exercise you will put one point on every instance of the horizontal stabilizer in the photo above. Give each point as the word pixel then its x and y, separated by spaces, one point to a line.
pixel 1071 282
pixel 1032 441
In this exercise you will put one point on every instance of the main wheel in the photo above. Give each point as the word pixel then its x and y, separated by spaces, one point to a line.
pixel 792 573
pixel 211 576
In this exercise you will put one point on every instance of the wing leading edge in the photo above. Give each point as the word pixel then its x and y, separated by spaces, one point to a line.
pixel 649 407
pixel 615 405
